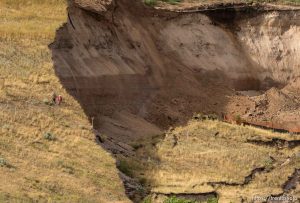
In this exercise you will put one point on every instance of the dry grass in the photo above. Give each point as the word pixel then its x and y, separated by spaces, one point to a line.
pixel 69 168
pixel 213 151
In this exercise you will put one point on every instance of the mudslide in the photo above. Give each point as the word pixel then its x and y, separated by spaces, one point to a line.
pixel 138 71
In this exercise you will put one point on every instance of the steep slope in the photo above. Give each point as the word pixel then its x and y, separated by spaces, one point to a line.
pixel 137 71
pixel 162 66
pixel 47 152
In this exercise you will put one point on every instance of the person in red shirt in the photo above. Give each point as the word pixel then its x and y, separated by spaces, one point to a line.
pixel 59 99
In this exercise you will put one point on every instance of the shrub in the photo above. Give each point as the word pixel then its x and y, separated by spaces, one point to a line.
pixel 3 162
pixel 198 116
pixel 172 1
pixel 238 119
pixel 201 116
pixel 150 2
pixel 49 136
pixel 124 167
pixel 65 167
pixel 212 116
pixel 212 200
pixel 147 200
pixel 174 199
pixel 269 164
pixel 143 181
pixel 6 127
pixel 47 102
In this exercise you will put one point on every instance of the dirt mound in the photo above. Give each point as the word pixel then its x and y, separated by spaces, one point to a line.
pixel 137 71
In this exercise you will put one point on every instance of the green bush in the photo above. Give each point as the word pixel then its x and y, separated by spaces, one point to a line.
pixel 147 200
pixel 174 199
pixel 124 167
pixel 150 2
pixel 212 200
pixel 49 136
pixel 172 1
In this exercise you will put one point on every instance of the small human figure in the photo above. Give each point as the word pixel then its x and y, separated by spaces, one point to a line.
pixel 93 122
pixel 59 99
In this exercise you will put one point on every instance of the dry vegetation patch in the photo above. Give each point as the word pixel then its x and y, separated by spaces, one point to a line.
pixel 208 156
pixel 47 152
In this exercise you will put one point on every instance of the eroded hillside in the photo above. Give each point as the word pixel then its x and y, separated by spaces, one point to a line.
pixel 47 152
pixel 137 71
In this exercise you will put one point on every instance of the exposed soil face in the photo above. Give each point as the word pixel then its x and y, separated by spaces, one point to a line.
pixel 161 67
pixel 137 71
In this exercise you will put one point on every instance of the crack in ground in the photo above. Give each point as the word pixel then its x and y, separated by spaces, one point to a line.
pixel 292 181
pixel 276 142
pixel 191 196
pixel 247 179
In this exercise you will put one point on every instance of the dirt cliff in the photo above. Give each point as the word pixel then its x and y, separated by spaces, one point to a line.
pixel 137 70
pixel 160 66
